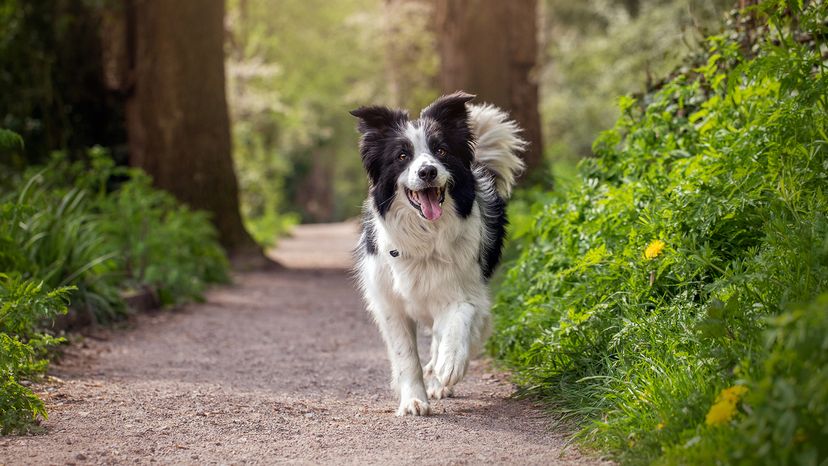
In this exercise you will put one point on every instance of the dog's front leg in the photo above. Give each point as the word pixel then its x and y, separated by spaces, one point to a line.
pixel 400 335
pixel 434 388
pixel 459 330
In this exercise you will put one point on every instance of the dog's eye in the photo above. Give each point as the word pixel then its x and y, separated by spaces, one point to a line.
pixel 402 156
pixel 441 152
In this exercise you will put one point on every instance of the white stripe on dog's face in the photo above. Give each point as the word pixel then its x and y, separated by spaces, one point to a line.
pixel 410 178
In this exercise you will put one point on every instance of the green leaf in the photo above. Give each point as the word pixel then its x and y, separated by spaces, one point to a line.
pixel 10 141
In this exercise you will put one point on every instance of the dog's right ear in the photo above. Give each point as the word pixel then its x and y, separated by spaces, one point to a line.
pixel 378 118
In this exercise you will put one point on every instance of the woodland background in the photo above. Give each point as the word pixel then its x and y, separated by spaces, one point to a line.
pixel 667 298
pixel 105 73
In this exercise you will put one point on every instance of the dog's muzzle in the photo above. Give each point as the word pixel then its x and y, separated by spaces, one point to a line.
pixel 428 201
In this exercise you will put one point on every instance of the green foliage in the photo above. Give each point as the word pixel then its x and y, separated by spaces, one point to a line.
pixel 786 402
pixel 64 225
pixel 727 165
pixel 9 140
pixel 160 242
pixel 597 50
pixel 292 77
pixel 24 306
pixel 81 234
pixel 52 233
pixel 790 397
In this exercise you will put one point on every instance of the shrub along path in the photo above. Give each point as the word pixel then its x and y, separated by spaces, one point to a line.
pixel 280 367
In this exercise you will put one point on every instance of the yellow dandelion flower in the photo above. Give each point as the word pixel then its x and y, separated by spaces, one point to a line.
pixel 660 426
pixel 724 408
pixel 720 413
pixel 733 394
pixel 654 249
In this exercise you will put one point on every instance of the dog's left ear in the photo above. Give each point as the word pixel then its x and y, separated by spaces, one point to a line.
pixel 449 110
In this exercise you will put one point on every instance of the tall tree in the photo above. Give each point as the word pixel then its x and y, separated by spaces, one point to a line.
pixel 490 48
pixel 51 75
pixel 179 129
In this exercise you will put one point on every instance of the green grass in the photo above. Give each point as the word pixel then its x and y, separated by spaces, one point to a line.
pixel 727 165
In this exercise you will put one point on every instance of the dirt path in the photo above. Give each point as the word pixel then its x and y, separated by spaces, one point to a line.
pixel 282 367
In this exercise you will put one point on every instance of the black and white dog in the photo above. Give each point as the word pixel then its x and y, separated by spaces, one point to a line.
pixel 432 233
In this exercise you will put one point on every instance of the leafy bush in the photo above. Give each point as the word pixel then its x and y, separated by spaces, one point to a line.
pixel 54 232
pixel 785 403
pixel 641 297
pixel 160 242
pixel 81 234
pixel 596 51
pixel 24 305
pixel 79 229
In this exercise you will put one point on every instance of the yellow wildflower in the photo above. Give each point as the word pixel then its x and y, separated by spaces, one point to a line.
pixel 660 426
pixel 724 408
pixel 720 413
pixel 733 394
pixel 654 249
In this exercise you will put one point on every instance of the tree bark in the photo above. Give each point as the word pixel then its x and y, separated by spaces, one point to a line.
pixel 490 48
pixel 177 118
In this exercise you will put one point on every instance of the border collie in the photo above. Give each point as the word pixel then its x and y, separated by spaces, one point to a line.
pixel 432 232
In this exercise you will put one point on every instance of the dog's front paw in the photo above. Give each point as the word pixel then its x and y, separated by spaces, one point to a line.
pixel 451 365
pixel 438 391
pixel 413 407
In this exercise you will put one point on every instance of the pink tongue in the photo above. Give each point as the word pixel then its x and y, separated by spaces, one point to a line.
pixel 430 203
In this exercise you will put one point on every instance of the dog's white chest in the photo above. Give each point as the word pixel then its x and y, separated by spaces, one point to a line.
pixel 429 274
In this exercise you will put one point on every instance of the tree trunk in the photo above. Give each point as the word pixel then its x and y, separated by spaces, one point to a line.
pixel 179 129
pixel 490 48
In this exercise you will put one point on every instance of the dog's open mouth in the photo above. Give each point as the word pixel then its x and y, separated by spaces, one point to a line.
pixel 429 201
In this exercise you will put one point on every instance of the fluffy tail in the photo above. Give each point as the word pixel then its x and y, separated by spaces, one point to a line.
pixel 498 143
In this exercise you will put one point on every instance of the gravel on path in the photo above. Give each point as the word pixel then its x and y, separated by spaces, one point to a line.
pixel 281 367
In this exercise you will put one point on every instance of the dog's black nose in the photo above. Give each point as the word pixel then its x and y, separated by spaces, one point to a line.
pixel 427 172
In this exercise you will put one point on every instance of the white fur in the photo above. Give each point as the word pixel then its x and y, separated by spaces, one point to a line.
pixel 422 157
pixel 436 279
pixel 411 178
pixel 498 143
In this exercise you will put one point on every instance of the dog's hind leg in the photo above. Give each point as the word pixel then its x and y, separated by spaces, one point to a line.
pixel 435 342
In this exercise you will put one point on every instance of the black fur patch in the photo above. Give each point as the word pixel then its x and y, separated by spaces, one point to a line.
pixel 368 240
pixel 383 140
pixel 445 123
pixel 496 222
pixel 446 126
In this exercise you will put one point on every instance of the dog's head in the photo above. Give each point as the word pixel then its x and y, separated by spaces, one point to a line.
pixel 424 161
